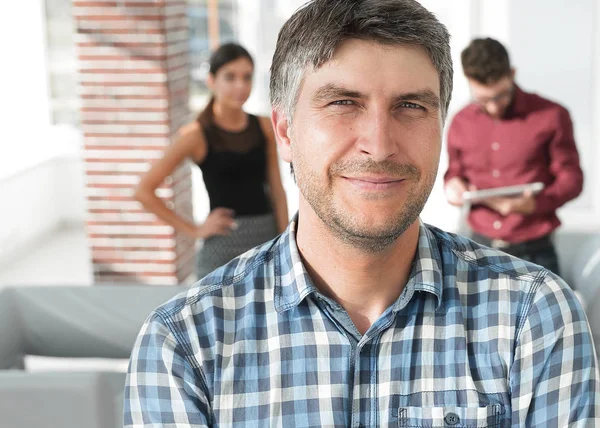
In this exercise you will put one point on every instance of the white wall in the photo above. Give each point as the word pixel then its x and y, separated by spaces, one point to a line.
pixel 70 188
pixel 30 209
pixel 41 182
pixel 37 201
pixel 24 104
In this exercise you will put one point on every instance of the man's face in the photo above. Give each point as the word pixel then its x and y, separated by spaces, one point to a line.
pixel 494 98
pixel 365 140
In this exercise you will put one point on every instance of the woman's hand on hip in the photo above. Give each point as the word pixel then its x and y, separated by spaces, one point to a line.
pixel 220 221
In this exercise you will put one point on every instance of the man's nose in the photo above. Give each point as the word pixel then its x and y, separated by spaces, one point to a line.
pixel 379 136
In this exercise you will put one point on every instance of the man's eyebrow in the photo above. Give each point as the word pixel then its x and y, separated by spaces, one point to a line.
pixel 329 91
pixel 425 96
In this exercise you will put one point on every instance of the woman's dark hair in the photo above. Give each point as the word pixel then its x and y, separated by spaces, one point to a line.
pixel 485 61
pixel 222 56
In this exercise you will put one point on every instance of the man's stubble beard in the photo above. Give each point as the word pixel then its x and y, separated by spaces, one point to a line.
pixel 344 225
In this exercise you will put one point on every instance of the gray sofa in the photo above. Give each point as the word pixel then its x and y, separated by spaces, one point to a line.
pixel 579 260
pixel 72 322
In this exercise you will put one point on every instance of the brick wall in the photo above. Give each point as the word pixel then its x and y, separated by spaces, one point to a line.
pixel 134 96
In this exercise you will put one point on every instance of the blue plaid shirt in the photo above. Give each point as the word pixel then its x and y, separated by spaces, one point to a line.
pixel 476 339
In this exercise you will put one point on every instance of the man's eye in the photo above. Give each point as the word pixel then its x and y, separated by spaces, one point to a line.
pixel 343 103
pixel 411 106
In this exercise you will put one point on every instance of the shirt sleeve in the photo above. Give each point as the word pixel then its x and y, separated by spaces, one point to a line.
pixel 564 166
pixel 554 377
pixel 163 389
pixel 455 168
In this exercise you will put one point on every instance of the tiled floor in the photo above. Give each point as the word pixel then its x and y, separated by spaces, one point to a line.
pixel 61 258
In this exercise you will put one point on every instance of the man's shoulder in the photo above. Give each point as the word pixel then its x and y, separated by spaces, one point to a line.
pixel 238 296
pixel 248 278
pixel 465 258
pixel 472 269
pixel 541 103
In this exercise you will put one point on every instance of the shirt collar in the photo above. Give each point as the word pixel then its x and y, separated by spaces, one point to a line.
pixel 518 106
pixel 293 283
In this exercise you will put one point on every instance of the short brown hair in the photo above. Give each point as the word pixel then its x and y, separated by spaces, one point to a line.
pixel 309 38
pixel 485 61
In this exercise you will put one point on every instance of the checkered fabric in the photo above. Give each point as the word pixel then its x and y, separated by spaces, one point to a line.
pixel 476 339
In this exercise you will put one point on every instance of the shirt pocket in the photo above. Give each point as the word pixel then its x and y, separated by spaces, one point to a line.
pixel 451 417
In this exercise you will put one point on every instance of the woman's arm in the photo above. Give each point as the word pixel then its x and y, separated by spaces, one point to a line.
pixel 189 143
pixel 278 198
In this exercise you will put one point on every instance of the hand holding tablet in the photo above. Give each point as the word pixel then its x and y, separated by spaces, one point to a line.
pixel 479 195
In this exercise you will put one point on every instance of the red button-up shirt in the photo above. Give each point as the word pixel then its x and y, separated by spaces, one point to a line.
pixel 533 142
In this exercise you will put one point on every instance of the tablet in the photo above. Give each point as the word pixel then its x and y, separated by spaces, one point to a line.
pixel 478 195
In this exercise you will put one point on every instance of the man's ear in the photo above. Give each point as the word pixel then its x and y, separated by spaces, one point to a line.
pixel 282 131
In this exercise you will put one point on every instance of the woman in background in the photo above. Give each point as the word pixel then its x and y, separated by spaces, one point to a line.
pixel 237 154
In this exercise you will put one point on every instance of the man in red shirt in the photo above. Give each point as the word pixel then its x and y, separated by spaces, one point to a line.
pixel 508 137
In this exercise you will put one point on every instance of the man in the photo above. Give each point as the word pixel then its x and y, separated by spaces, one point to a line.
pixel 359 315
pixel 506 137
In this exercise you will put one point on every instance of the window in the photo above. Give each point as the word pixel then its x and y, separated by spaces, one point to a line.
pixel 200 42
pixel 62 63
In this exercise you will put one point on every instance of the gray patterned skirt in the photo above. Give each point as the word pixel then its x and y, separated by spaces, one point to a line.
pixel 218 250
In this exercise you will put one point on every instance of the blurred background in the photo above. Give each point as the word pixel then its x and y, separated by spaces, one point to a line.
pixel 93 91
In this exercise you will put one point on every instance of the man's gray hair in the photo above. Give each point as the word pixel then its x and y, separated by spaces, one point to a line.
pixel 309 39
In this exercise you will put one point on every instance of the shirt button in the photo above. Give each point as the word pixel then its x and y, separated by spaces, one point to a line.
pixel 496 173
pixel 495 146
pixel 452 419
pixel 497 224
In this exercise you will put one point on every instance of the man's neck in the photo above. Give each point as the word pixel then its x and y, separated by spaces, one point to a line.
pixel 364 283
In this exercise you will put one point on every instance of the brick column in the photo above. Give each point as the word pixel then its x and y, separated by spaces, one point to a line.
pixel 133 63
